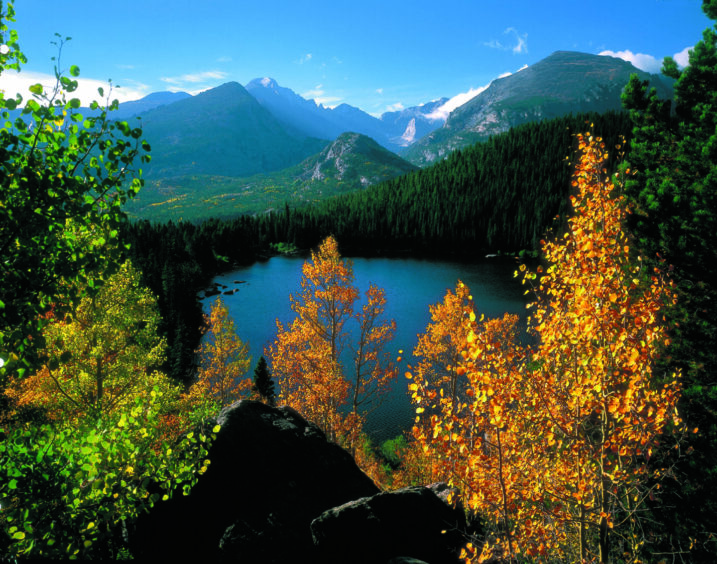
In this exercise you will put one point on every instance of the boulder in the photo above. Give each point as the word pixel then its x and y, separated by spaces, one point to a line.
pixel 271 474
pixel 409 524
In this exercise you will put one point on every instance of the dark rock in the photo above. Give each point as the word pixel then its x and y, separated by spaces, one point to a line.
pixel 271 474
pixel 411 522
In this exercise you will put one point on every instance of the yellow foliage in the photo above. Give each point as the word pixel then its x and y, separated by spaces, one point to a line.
pixel 552 439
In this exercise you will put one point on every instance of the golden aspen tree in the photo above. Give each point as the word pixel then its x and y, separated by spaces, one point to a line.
pixel 439 348
pixel 224 360
pixel 467 434
pixel 307 357
pixel 600 407
pixel 372 368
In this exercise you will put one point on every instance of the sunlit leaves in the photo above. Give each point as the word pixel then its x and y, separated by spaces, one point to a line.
pixel 308 356
pixel 46 169
pixel 73 490
pixel 224 360
pixel 102 355
pixel 552 442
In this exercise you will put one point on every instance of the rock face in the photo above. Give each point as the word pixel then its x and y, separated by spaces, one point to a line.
pixel 410 523
pixel 271 475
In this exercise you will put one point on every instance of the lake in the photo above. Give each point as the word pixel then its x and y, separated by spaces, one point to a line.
pixel 411 285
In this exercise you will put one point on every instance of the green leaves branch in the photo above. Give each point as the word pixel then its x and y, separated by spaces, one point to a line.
pixel 71 494
pixel 57 169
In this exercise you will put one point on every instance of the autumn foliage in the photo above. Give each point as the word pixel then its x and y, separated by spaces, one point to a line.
pixel 224 361
pixel 101 356
pixel 551 442
pixel 328 376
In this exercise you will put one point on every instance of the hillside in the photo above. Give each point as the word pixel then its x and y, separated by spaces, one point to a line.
pixel 356 159
pixel 498 195
pixel 350 163
pixel 223 131
pixel 563 83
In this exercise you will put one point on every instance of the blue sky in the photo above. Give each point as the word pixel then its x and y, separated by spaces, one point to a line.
pixel 374 54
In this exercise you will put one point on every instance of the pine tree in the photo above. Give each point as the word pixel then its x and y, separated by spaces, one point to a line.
pixel 263 384
pixel 674 193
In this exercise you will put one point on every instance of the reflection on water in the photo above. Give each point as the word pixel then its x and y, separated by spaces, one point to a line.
pixel 411 285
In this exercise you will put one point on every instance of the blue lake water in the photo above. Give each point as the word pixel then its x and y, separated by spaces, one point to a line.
pixel 411 285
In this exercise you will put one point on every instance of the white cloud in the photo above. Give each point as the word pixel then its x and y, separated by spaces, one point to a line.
pixel 640 60
pixel 318 95
pixel 194 78
pixel 683 57
pixel 379 90
pixel 305 58
pixel 193 83
pixel 397 107
pixel 508 73
pixel 521 40
pixel 328 101
pixel 14 83
pixel 317 90
pixel 648 63
pixel 518 45
pixel 442 112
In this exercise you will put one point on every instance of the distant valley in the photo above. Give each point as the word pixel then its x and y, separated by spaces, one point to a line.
pixel 353 161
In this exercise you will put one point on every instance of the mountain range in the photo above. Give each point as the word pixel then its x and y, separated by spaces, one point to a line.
pixel 393 130
pixel 229 136
pixel 223 131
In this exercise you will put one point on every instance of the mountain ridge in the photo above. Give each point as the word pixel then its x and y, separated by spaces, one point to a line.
pixel 564 82
pixel 328 123
pixel 222 131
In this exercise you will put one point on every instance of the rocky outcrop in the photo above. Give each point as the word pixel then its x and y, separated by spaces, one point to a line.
pixel 411 522
pixel 278 491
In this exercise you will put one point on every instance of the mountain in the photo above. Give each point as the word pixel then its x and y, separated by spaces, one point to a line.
pixel 293 110
pixel 149 102
pixel 414 122
pixel 563 83
pixel 311 118
pixel 351 162
pixel 393 130
pixel 223 131
pixel 356 159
